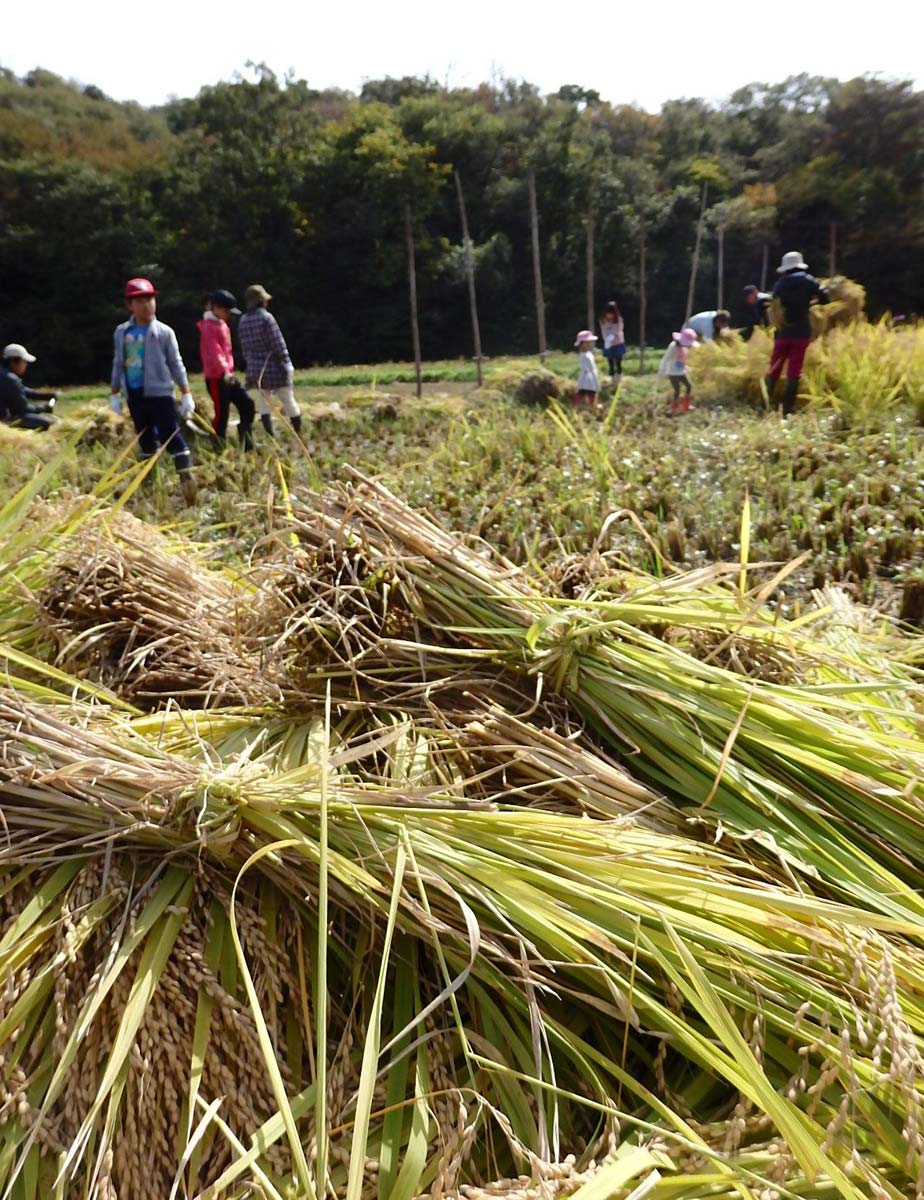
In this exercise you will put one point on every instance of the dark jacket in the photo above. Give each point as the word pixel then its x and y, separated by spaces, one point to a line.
pixel 796 291
pixel 758 315
pixel 15 396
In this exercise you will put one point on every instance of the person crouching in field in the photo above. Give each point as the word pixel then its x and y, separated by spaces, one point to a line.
pixel 797 291
pixel 146 364
pixel 20 405
pixel 614 337
pixel 673 366
pixel 218 367
pixel 266 357
pixel 588 383
pixel 709 325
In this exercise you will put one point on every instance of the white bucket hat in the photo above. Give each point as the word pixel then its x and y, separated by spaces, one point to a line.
pixel 585 336
pixel 14 350
pixel 792 261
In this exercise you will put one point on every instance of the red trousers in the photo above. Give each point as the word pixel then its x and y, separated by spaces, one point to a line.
pixel 788 351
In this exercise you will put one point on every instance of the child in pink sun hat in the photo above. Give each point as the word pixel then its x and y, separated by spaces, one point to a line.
pixel 588 383
pixel 673 366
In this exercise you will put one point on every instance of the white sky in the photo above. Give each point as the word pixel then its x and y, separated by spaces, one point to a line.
pixel 642 53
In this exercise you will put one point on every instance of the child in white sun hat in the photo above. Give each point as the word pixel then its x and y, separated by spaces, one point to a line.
pixel 673 365
pixel 588 383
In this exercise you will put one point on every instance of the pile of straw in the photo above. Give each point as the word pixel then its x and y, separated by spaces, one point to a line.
pixel 478 890
pixel 150 624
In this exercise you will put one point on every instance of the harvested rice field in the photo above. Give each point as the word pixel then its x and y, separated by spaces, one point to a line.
pixel 476 797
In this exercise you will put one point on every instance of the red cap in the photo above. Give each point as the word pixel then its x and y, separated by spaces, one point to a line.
pixel 139 287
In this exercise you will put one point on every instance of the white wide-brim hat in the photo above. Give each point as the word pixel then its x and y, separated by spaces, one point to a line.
pixel 792 261
pixel 585 336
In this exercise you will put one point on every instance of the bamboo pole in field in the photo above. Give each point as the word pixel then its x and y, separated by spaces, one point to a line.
pixel 720 265
pixel 537 263
pixel 412 288
pixel 470 276
pixel 832 248
pixel 764 267
pixel 590 263
pixel 694 268
pixel 642 299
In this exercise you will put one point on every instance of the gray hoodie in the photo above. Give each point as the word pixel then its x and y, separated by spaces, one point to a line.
pixel 162 363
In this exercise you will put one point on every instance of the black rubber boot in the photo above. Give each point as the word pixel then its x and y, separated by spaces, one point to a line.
pixel 245 436
pixel 297 423
pixel 789 397
pixel 267 422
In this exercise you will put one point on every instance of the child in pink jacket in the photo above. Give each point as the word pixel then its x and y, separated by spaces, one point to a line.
pixel 218 367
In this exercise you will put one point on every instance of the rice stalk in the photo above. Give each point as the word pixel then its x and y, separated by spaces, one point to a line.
pixel 787 767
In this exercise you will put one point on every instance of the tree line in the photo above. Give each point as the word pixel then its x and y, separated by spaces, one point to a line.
pixel 316 194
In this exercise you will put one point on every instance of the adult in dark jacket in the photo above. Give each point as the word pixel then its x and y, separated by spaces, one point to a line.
pixel 796 291
pixel 20 405
pixel 757 306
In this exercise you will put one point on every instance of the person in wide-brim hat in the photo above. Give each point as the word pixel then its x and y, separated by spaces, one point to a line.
pixel 588 383
pixel 797 291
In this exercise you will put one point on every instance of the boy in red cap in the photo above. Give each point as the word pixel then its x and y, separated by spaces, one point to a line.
pixel 145 366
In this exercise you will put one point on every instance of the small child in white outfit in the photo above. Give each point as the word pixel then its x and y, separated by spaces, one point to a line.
pixel 673 365
pixel 588 383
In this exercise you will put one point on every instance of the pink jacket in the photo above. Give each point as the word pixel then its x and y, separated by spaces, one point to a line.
pixel 215 346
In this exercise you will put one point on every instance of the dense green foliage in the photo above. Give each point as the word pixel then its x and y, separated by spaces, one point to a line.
pixel 268 179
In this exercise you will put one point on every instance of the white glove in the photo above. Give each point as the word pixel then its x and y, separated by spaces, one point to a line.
pixel 290 372
pixel 115 403
pixel 187 406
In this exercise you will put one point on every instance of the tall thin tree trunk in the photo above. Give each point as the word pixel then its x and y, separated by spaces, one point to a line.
pixel 642 300
pixel 694 269
pixel 590 264
pixel 470 275
pixel 832 248
pixel 412 288
pixel 720 266
pixel 764 267
pixel 537 263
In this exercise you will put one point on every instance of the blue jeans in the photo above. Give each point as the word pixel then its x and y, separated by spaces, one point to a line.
pixel 156 424
pixel 613 355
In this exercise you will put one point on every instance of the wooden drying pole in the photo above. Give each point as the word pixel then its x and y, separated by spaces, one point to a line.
pixel 470 275
pixel 720 263
pixel 412 288
pixel 642 298
pixel 537 263
pixel 590 262
pixel 695 266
